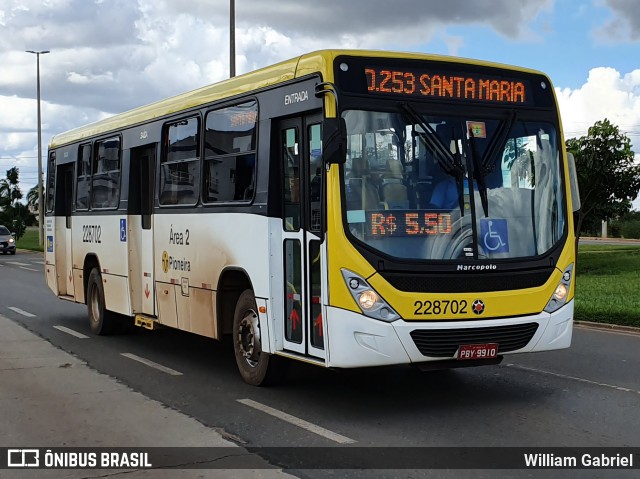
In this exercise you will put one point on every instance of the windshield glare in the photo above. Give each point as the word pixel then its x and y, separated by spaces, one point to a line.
pixel 431 187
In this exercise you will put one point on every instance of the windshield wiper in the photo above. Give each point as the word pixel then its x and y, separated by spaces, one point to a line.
pixel 452 167
pixel 497 141
pixel 484 166
pixel 478 174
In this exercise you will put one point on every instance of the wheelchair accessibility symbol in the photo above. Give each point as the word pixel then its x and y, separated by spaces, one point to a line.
pixel 494 235
pixel 123 229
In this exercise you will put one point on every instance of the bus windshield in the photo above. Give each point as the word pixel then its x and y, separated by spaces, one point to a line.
pixel 436 187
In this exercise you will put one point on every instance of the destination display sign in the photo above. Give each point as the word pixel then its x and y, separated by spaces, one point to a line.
pixel 439 84
pixel 458 81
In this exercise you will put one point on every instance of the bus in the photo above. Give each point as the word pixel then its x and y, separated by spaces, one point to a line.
pixel 343 208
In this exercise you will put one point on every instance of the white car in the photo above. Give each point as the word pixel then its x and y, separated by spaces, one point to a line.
pixel 7 241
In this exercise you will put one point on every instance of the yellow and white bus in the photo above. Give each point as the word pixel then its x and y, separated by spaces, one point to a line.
pixel 344 208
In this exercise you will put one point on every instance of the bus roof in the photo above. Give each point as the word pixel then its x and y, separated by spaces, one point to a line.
pixel 314 62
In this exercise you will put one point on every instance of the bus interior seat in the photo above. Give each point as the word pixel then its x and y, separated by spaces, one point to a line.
pixel 394 192
pixel 364 194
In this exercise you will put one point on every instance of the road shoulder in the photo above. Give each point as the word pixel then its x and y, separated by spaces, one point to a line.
pixel 50 398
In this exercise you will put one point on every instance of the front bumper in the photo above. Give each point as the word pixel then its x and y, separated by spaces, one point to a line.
pixel 7 248
pixel 358 341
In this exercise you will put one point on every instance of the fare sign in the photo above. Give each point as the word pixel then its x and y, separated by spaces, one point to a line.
pixel 389 223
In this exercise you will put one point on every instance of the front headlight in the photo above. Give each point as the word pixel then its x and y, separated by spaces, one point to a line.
pixel 367 300
pixel 370 302
pixel 11 240
pixel 559 296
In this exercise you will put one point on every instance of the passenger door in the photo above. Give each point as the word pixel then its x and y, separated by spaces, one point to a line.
pixel 139 229
pixel 300 156
pixel 63 230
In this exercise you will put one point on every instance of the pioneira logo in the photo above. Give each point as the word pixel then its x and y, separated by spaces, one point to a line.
pixel 476 267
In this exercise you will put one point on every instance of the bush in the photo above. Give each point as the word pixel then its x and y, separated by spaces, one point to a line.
pixel 630 229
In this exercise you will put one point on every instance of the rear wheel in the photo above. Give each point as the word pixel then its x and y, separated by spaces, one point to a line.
pixel 101 321
pixel 256 367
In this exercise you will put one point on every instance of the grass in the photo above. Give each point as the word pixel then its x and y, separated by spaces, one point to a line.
pixel 29 240
pixel 608 284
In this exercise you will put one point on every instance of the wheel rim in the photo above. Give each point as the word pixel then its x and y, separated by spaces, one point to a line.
pixel 248 338
pixel 95 305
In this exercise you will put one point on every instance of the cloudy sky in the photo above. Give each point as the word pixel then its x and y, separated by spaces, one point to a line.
pixel 109 56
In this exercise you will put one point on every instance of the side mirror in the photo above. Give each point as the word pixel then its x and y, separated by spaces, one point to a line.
pixel 573 181
pixel 334 141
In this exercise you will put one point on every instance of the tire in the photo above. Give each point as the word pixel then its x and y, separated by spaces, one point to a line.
pixel 13 252
pixel 256 367
pixel 101 321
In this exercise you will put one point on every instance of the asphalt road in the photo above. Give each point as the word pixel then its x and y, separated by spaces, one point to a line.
pixel 586 396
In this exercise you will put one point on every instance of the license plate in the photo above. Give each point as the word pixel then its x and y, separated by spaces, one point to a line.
pixel 478 351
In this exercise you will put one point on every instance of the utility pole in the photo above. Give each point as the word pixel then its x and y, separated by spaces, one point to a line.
pixel 232 38
pixel 40 189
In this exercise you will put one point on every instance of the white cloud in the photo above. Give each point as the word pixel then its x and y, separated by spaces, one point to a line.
pixel 606 94
pixel 331 18
pixel 18 135
pixel 150 49
pixel 625 24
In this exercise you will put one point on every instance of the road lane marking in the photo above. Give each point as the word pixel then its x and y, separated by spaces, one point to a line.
pixel 38 262
pixel 22 312
pixel 17 263
pixel 297 422
pixel 71 332
pixel 152 364
pixel 574 378
pixel 30 269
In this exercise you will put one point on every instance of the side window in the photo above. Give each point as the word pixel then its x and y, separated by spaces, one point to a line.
pixel 291 169
pixel 51 181
pixel 105 179
pixel 180 165
pixel 314 134
pixel 83 170
pixel 230 154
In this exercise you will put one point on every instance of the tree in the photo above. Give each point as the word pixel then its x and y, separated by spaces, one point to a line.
pixel 608 178
pixel 32 198
pixel 9 189
pixel 13 214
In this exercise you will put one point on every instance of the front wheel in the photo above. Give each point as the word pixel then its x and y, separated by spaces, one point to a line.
pixel 256 367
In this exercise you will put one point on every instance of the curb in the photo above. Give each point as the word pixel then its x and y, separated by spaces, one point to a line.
pixel 608 327
pixel 612 240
